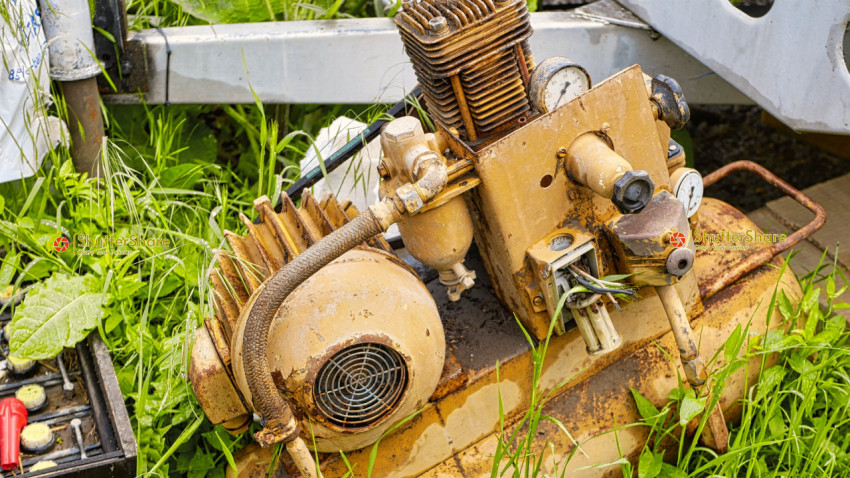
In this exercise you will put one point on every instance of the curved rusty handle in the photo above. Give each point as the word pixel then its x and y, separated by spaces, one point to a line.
pixel 762 256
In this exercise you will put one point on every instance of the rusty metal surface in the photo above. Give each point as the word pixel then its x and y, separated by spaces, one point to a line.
pixel 470 82
pixel 482 332
pixel 762 255
pixel 452 378
pixel 212 384
pixel 594 407
pixel 85 124
pixel 643 240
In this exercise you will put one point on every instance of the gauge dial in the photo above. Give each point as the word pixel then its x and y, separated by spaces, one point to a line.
pixel 555 82
pixel 687 186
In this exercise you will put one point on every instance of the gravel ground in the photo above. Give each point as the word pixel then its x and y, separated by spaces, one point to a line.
pixel 723 134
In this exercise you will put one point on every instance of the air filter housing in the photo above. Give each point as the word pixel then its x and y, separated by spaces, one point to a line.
pixel 472 60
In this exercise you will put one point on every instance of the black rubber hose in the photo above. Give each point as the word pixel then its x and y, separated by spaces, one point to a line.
pixel 352 147
pixel 277 419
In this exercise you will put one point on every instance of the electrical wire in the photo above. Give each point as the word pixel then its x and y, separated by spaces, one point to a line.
pixel 600 290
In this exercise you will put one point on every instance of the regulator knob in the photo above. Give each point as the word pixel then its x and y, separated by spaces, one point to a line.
pixel 670 100
pixel 633 191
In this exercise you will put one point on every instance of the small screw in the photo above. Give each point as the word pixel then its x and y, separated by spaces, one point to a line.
pixel 562 152
pixel 672 147
pixel 67 385
pixel 437 24
pixel 76 424
pixel 606 127
pixel 383 171
pixel 538 301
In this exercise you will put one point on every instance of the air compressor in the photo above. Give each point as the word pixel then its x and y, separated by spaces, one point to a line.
pixel 331 342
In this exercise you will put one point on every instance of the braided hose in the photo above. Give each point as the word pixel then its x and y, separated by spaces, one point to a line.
pixel 278 422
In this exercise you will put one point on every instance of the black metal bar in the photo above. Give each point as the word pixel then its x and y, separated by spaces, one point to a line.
pixel 351 148
pixel 110 16
pixel 43 380
pixel 61 414
pixel 99 413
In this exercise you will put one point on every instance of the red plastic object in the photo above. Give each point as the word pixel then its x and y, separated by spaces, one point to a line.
pixel 13 419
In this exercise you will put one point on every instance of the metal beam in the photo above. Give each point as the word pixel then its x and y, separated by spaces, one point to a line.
pixel 362 61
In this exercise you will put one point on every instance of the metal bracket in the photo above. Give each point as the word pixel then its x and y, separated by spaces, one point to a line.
pixel 362 61
pixel 789 61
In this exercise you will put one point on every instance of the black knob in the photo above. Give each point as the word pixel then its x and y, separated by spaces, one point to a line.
pixel 633 191
pixel 668 96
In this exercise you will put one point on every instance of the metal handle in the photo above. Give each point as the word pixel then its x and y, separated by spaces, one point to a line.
pixel 762 256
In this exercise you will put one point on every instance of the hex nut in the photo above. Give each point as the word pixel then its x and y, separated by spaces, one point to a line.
pixel 401 129
pixel 633 191
pixel 383 171
pixel 437 24
pixel 410 198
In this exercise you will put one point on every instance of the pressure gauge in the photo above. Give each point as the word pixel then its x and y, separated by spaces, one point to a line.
pixel 555 82
pixel 687 186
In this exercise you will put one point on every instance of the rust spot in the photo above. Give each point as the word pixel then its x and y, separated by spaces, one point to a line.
pixel 277 378
pixel 452 378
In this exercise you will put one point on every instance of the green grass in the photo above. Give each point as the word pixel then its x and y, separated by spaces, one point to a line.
pixel 182 173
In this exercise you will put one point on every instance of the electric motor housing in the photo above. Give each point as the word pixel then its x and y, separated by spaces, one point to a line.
pixel 355 348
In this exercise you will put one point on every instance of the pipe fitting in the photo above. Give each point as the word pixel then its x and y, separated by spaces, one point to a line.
pixel 68 28
pixel 591 162
pixel 431 175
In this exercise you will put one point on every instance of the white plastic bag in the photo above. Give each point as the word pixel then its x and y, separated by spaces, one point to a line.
pixel 26 132
pixel 357 179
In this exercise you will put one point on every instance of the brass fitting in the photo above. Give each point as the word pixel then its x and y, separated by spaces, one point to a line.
pixel 592 162
pixel 457 279
pixel 440 236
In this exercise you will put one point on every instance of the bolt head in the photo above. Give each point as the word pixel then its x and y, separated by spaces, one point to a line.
pixel 437 24
pixel 401 129
pixel 410 198
pixel 383 171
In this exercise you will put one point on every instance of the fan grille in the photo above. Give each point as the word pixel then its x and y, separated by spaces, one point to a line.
pixel 360 384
